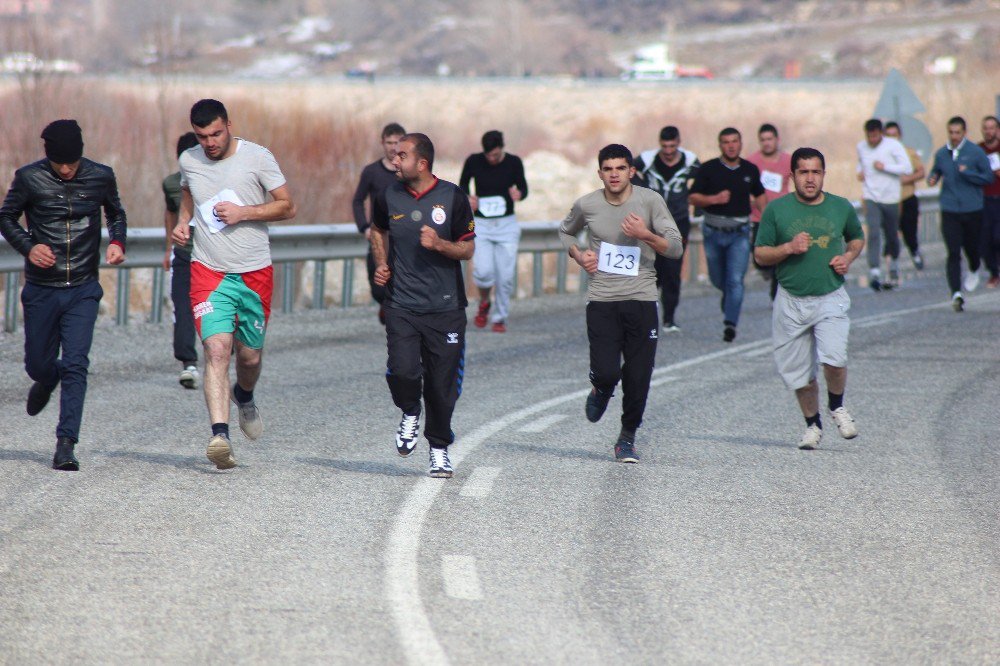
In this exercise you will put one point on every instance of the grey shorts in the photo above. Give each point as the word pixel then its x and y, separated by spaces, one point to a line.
pixel 807 331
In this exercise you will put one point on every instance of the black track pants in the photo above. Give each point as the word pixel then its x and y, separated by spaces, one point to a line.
pixel 426 359
pixel 623 337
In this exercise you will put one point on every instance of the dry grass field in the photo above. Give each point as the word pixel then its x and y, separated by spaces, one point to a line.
pixel 324 131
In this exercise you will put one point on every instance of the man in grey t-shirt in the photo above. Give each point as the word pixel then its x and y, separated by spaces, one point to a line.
pixel 230 189
pixel 628 227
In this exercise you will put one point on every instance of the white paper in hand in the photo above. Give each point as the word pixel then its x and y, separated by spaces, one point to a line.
pixel 994 161
pixel 771 181
pixel 207 210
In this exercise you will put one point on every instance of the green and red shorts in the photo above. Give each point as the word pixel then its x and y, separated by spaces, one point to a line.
pixel 232 302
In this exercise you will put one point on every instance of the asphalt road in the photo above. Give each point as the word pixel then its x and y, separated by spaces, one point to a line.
pixel 726 544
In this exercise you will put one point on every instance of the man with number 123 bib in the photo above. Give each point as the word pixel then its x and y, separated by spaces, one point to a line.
pixel 627 227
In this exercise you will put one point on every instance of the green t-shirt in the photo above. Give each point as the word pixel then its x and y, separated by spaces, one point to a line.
pixel 172 199
pixel 831 224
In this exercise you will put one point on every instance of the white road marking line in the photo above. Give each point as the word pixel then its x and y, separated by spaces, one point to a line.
pixel 480 482
pixel 662 380
pixel 417 639
pixel 874 322
pixel 758 352
pixel 541 424
pixel 460 578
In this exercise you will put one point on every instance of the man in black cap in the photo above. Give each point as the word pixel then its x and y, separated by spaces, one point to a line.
pixel 61 198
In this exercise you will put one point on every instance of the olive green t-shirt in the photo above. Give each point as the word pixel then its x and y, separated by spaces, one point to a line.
pixel 831 224
pixel 172 199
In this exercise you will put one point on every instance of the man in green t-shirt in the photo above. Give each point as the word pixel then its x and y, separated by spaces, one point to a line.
pixel 811 237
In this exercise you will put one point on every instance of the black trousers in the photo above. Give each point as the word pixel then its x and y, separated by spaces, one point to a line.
pixel 185 350
pixel 426 358
pixel 990 238
pixel 961 231
pixel 668 276
pixel 378 293
pixel 61 318
pixel 766 271
pixel 623 337
pixel 909 216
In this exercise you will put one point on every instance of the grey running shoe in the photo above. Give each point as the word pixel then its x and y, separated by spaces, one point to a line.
pixel 250 422
pixel 810 440
pixel 220 452
pixel 625 451
pixel 406 434
pixel 845 423
pixel 189 377
pixel 440 464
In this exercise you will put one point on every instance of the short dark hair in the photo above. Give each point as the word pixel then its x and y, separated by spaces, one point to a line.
pixel 729 131
pixel 205 111
pixel 767 127
pixel 492 140
pixel 670 133
pixel 185 141
pixel 807 154
pixel 423 148
pixel 614 151
pixel 892 124
pixel 873 124
pixel 957 120
pixel 393 129
pixel 993 118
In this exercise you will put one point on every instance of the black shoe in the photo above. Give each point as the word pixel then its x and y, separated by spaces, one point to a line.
pixel 597 402
pixel 729 333
pixel 625 451
pixel 875 284
pixel 38 397
pixel 64 460
pixel 381 314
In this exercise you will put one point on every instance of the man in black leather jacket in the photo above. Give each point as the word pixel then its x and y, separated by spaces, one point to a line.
pixel 61 198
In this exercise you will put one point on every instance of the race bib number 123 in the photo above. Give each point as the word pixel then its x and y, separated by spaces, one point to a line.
pixel 618 259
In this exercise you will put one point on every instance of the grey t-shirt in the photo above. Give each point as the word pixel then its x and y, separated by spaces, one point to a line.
pixel 604 222
pixel 250 173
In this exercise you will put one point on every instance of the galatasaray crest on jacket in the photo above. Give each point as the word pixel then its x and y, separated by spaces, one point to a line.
pixel 438 215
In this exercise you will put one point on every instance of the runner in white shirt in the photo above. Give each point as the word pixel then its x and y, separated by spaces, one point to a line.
pixel 881 161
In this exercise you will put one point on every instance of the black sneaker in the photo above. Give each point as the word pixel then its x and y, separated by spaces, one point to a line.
pixel 957 304
pixel 38 397
pixel 625 451
pixel 729 333
pixel 440 464
pixel 406 434
pixel 875 284
pixel 64 460
pixel 597 402
pixel 918 261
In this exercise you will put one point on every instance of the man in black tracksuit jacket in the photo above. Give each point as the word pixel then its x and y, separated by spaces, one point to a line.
pixel 61 198
pixel 422 230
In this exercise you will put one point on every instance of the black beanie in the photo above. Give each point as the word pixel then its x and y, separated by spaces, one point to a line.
pixel 63 141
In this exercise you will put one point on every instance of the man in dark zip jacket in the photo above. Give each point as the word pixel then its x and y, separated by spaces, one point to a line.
pixel 61 198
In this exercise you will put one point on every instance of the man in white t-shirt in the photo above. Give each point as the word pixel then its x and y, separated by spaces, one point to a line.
pixel 881 161
pixel 230 189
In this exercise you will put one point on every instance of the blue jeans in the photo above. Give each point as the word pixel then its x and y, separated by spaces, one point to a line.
pixel 728 255
pixel 61 318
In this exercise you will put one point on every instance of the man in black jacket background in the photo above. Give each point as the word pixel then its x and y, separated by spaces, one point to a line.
pixel 61 198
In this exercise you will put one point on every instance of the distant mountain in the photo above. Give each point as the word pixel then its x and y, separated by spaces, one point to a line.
pixel 732 38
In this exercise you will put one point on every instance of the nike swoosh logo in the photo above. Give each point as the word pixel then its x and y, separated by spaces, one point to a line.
pixel 397 217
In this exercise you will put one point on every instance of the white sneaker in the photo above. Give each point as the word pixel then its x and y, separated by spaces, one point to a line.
pixel 440 464
pixel 957 302
pixel 845 423
pixel 406 434
pixel 971 280
pixel 810 440
pixel 671 328
pixel 189 377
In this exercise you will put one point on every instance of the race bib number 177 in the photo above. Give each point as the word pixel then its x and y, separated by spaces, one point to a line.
pixel 618 259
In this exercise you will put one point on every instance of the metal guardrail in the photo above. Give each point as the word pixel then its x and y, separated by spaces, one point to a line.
pixel 321 243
